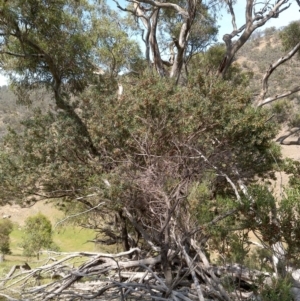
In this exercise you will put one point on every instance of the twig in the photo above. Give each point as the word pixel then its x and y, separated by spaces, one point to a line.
pixel 77 214
pixel 261 101
pixel 196 282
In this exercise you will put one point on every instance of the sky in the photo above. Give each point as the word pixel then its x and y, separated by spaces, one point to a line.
pixel 225 26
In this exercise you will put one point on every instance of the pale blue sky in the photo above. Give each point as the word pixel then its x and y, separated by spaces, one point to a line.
pixel 284 19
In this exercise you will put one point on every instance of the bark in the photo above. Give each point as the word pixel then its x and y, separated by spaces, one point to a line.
pixel 191 268
pixel 253 20
pixel 158 64
pixel 261 100
pixel 150 21
pixel 165 247
pixel 124 233
pixel 181 44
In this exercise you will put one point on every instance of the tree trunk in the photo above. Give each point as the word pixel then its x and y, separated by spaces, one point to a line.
pixel 63 105
pixel 124 233
pixel 158 64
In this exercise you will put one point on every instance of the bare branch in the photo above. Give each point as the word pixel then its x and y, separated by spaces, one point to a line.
pixel 77 214
pixel 192 271
pixel 140 229
pixel 261 101
pixel 252 22
pixel 230 7
pixel 274 13
pixel 276 97
pixel 179 9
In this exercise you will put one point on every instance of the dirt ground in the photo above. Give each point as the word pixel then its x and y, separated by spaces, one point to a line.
pixel 291 151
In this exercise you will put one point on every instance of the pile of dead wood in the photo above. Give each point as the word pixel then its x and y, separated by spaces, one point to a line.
pixel 131 275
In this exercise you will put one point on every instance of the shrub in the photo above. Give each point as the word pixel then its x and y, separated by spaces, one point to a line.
pixel 37 235
pixel 6 227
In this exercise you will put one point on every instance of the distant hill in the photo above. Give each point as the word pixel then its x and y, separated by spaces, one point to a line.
pixel 11 112
pixel 263 49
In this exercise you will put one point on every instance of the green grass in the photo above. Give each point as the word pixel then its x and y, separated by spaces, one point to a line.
pixel 68 238
pixel 15 240
pixel 74 239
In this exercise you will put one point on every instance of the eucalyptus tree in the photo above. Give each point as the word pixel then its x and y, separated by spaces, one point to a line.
pixel 59 45
pixel 175 20
pixel 188 26
pixel 47 43
pixel 114 46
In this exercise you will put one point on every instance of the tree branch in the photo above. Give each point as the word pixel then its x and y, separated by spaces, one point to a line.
pixel 230 7
pixel 261 101
pixel 192 271
pixel 77 214
pixel 251 24
pixel 276 97
pixel 157 4
pixel 21 55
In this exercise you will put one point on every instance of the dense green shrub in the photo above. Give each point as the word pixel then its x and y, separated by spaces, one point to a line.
pixel 6 227
pixel 37 235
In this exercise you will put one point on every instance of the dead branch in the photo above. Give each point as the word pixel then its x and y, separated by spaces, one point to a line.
pixel 261 101
pixel 253 21
pixel 77 214
pixel 192 271
pixel 291 132
pixel 104 276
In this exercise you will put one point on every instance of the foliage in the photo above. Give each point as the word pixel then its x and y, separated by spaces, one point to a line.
pixel 160 165
pixel 279 290
pixel 115 52
pixel 43 29
pixel 148 139
pixel 282 109
pixel 290 36
pixel 37 235
pixel 203 32
pixel 269 31
pixel 295 120
pixel 289 210
pixel 6 227
pixel 209 62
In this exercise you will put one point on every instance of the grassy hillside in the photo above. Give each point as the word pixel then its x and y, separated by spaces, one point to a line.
pixel 256 55
pixel 15 108
pixel 67 237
